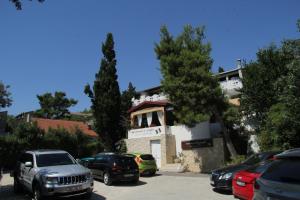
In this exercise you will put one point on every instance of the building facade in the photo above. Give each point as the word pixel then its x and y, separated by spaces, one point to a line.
pixel 176 146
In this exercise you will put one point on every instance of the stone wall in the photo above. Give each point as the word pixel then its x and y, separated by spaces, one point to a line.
pixel 204 159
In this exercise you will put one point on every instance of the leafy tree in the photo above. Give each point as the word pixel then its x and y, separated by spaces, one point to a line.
pixel 220 70
pixel 105 97
pixel 54 106
pixel 259 92
pixel 18 3
pixel 5 96
pixel 126 104
pixel 185 64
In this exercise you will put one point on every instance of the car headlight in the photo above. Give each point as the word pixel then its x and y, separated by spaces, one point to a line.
pixel 226 176
pixel 51 180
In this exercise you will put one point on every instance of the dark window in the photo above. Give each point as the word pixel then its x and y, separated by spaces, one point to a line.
pixel 28 158
pixel 260 168
pixel 155 121
pixel 252 160
pixel 124 161
pixel 22 158
pixel 101 159
pixel 144 121
pixel 135 122
pixel 43 160
pixel 147 157
pixel 286 171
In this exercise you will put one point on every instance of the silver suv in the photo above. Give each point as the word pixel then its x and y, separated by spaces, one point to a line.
pixel 51 173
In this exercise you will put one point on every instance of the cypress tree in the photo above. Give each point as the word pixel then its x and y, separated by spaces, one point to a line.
pixel 105 97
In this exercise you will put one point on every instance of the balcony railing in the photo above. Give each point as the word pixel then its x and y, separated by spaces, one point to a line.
pixel 147 132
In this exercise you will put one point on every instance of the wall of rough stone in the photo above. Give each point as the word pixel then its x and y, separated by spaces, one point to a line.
pixel 204 159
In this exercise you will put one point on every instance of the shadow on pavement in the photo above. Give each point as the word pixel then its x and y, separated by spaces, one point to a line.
pixel 7 193
pixel 150 176
pixel 225 192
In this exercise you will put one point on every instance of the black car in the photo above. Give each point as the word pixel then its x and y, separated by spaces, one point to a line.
pixel 111 167
pixel 222 178
pixel 282 179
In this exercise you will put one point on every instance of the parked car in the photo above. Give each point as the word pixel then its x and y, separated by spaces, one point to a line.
pixel 146 163
pixel 51 173
pixel 243 181
pixel 282 179
pixel 111 167
pixel 222 178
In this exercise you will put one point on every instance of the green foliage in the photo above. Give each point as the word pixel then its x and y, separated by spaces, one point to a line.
pixel 28 136
pixel 5 96
pixel 106 98
pixel 271 95
pixel 54 106
pixel 18 3
pixel 220 70
pixel 126 104
pixel 259 92
pixel 185 66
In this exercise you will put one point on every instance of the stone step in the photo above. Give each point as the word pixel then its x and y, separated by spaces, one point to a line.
pixel 175 167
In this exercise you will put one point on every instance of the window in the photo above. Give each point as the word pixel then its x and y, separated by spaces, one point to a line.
pixel 286 171
pixel 144 121
pixel 43 160
pixel 155 121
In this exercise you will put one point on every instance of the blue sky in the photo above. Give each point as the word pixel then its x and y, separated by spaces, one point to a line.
pixel 56 45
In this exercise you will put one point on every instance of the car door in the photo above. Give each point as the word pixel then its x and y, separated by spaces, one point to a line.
pixel 28 172
pixel 98 166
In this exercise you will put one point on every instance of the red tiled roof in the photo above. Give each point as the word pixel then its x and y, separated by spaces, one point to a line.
pixel 147 104
pixel 70 126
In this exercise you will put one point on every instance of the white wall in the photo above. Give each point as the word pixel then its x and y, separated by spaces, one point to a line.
pixel 183 133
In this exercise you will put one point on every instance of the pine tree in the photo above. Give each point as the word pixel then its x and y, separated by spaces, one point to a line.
pixel 105 97
pixel 126 103
pixel 185 64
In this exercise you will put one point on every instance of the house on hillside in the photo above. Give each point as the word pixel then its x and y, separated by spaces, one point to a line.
pixel 154 130
pixel 70 126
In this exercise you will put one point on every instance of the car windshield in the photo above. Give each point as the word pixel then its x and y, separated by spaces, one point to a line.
pixel 254 159
pixel 53 159
pixel 147 157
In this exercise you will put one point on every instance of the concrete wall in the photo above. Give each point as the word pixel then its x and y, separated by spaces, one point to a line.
pixel 183 133
pixel 204 159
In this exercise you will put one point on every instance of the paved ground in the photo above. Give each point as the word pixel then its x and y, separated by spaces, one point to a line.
pixel 165 186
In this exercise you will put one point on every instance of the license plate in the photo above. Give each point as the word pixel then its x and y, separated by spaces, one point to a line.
pixel 128 175
pixel 240 183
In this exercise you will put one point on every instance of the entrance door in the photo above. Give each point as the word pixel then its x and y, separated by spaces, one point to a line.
pixel 156 151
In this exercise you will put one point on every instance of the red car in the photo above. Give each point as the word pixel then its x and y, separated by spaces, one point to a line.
pixel 243 181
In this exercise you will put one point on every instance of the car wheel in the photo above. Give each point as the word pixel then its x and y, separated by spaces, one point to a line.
pixel 37 195
pixel 106 179
pixel 17 186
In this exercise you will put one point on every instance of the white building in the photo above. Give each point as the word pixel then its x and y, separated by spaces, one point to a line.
pixel 199 149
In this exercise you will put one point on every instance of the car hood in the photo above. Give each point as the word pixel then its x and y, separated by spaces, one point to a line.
pixel 64 170
pixel 231 169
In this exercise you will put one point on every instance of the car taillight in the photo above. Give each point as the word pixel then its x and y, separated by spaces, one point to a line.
pixel 256 185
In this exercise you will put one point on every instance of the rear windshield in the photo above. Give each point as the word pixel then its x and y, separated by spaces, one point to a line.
pixel 286 171
pixel 147 157
pixel 44 160
pixel 260 167
pixel 124 160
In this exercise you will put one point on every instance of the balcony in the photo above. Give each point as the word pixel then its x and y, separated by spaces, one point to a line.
pixel 231 87
pixel 147 132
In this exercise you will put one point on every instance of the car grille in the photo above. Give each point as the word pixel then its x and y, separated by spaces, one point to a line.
pixel 66 180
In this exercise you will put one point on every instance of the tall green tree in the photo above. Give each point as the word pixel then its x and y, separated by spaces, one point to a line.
pixel 105 97
pixel 185 64
pixel 54 106
pixel 18 3
pixel 126 104
pixel 5 96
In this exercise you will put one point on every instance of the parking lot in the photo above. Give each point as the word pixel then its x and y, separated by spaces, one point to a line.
pixel 164 186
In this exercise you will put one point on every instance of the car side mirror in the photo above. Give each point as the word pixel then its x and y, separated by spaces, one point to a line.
pixel 28 164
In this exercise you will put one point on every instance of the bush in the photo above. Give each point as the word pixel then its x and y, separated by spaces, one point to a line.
pixel 28 136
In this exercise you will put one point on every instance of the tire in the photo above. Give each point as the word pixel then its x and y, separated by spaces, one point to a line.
pixel 36 193
pixel 17 186
pixel 135 181
pixel 107 179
